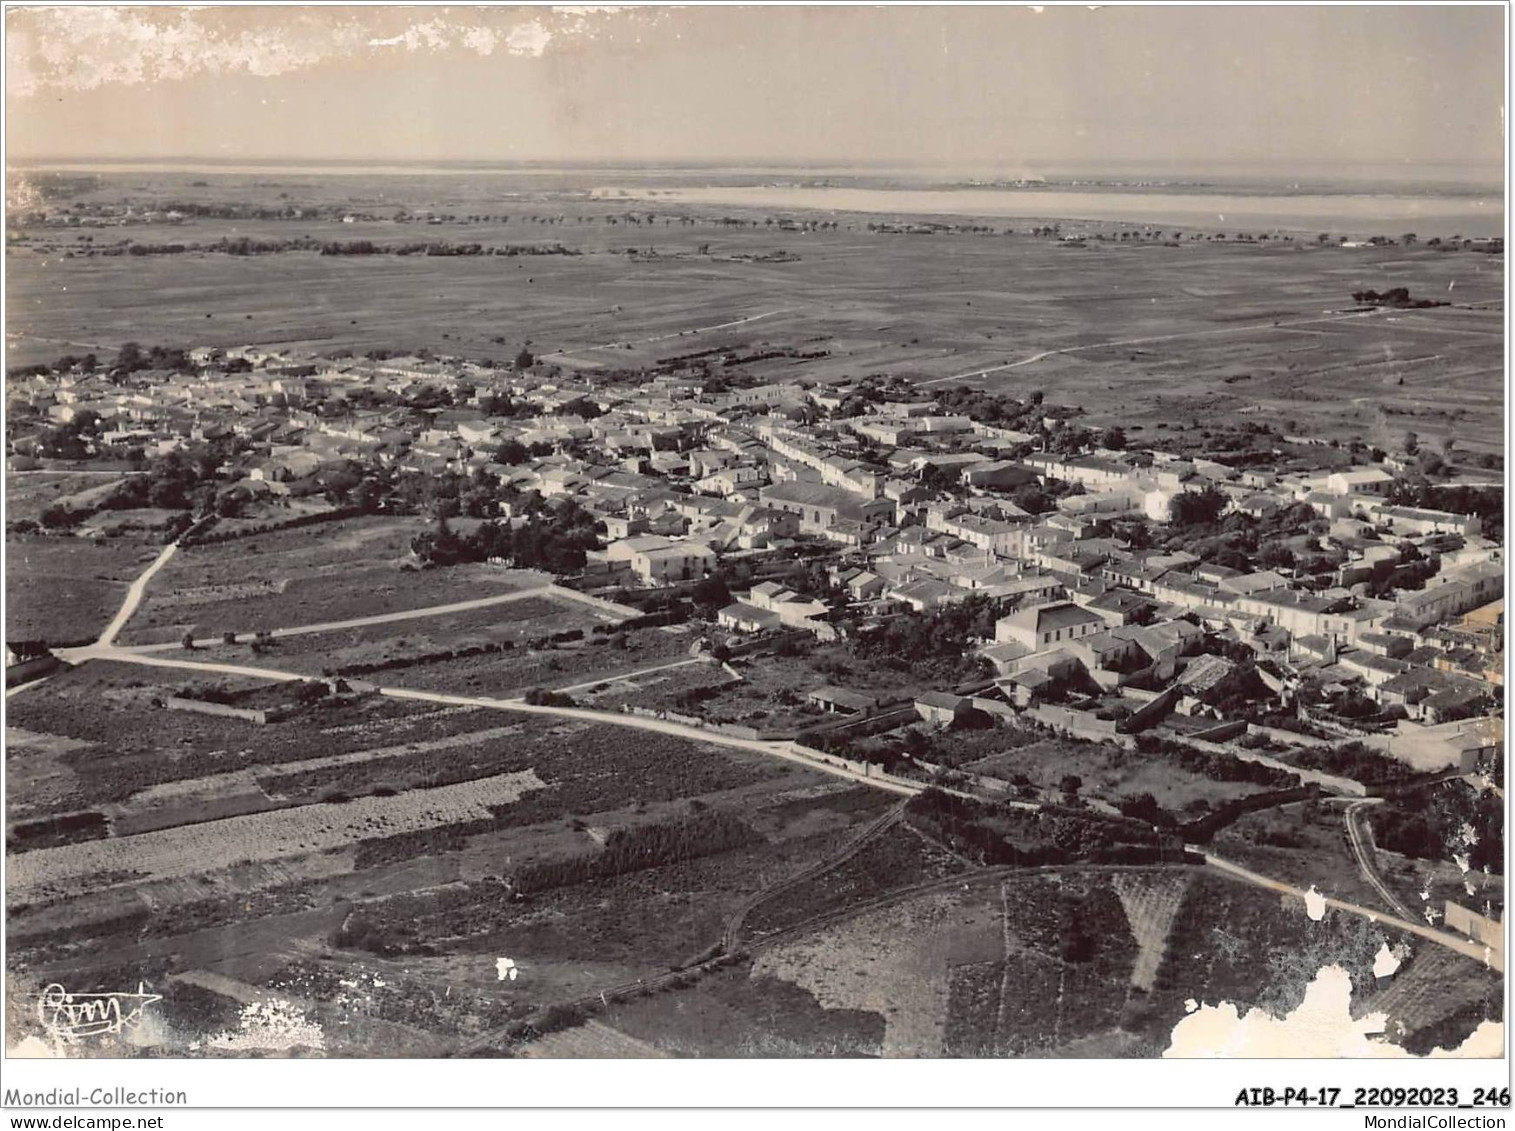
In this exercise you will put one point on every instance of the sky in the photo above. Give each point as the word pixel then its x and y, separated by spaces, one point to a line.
pixel 1009 89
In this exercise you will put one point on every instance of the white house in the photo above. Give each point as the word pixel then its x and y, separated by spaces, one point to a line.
pixel 1046 625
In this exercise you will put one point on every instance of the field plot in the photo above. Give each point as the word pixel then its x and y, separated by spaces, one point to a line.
pixel 771 693
pixel 64 590
pixel 364 866
pixel 381 771
pixel 399 643
pixel 327 572
pixel 1234 942
pixel 108 740
pixel 39 778
pixel 169 767
pixel 1061 962
pixel 592 1039
pixel 736 1013
pixel 1304 845
pixel 975 972
pixel 1108 771
pixel 573 937
pixel 897 859
pixel 582 665
pixel 189 849
pixel 1436 998
pixel 407 881
pixel 679 686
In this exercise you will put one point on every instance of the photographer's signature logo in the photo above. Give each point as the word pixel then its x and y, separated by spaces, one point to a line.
pixel 70 1017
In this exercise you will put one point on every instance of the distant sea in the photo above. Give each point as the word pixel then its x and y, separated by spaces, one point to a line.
pixel 1362 214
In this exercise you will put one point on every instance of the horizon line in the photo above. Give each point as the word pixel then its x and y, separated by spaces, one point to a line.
pixel 780 162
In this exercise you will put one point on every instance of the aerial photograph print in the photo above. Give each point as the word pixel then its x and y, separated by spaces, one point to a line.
pixel 754 531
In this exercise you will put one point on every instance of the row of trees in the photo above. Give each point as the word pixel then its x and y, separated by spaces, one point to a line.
pixel 247 245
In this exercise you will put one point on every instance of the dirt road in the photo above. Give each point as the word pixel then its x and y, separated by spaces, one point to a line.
pixel 663 337
pixel 784 751
pixel 134 595
pixel 1361 839
pixel 1468 947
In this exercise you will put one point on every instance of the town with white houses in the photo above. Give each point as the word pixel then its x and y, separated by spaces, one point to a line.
pixel 1357 598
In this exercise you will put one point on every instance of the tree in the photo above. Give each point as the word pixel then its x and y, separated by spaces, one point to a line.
pixel 1113 438
pixel 512 452
pixel 368 494
pixel 311 691
pixel 1430 462
pixel 1275 555
pixel 1197 508
pixel 1412 443
pixel 167 494
pixel 1070 785
pixel 1138 535
pixel 524 359
pixel 86 420
pixel 710 595
pixel 939 479
pixel 917 745
pixel 1143 807
pixel 59 517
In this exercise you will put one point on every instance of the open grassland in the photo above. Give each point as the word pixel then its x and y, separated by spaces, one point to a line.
pixel 1136 333
pixel 1436 998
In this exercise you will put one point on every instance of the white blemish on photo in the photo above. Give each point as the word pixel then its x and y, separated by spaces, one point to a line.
pixel 1315 904
pixel 1321 1027
pixel 271 1026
